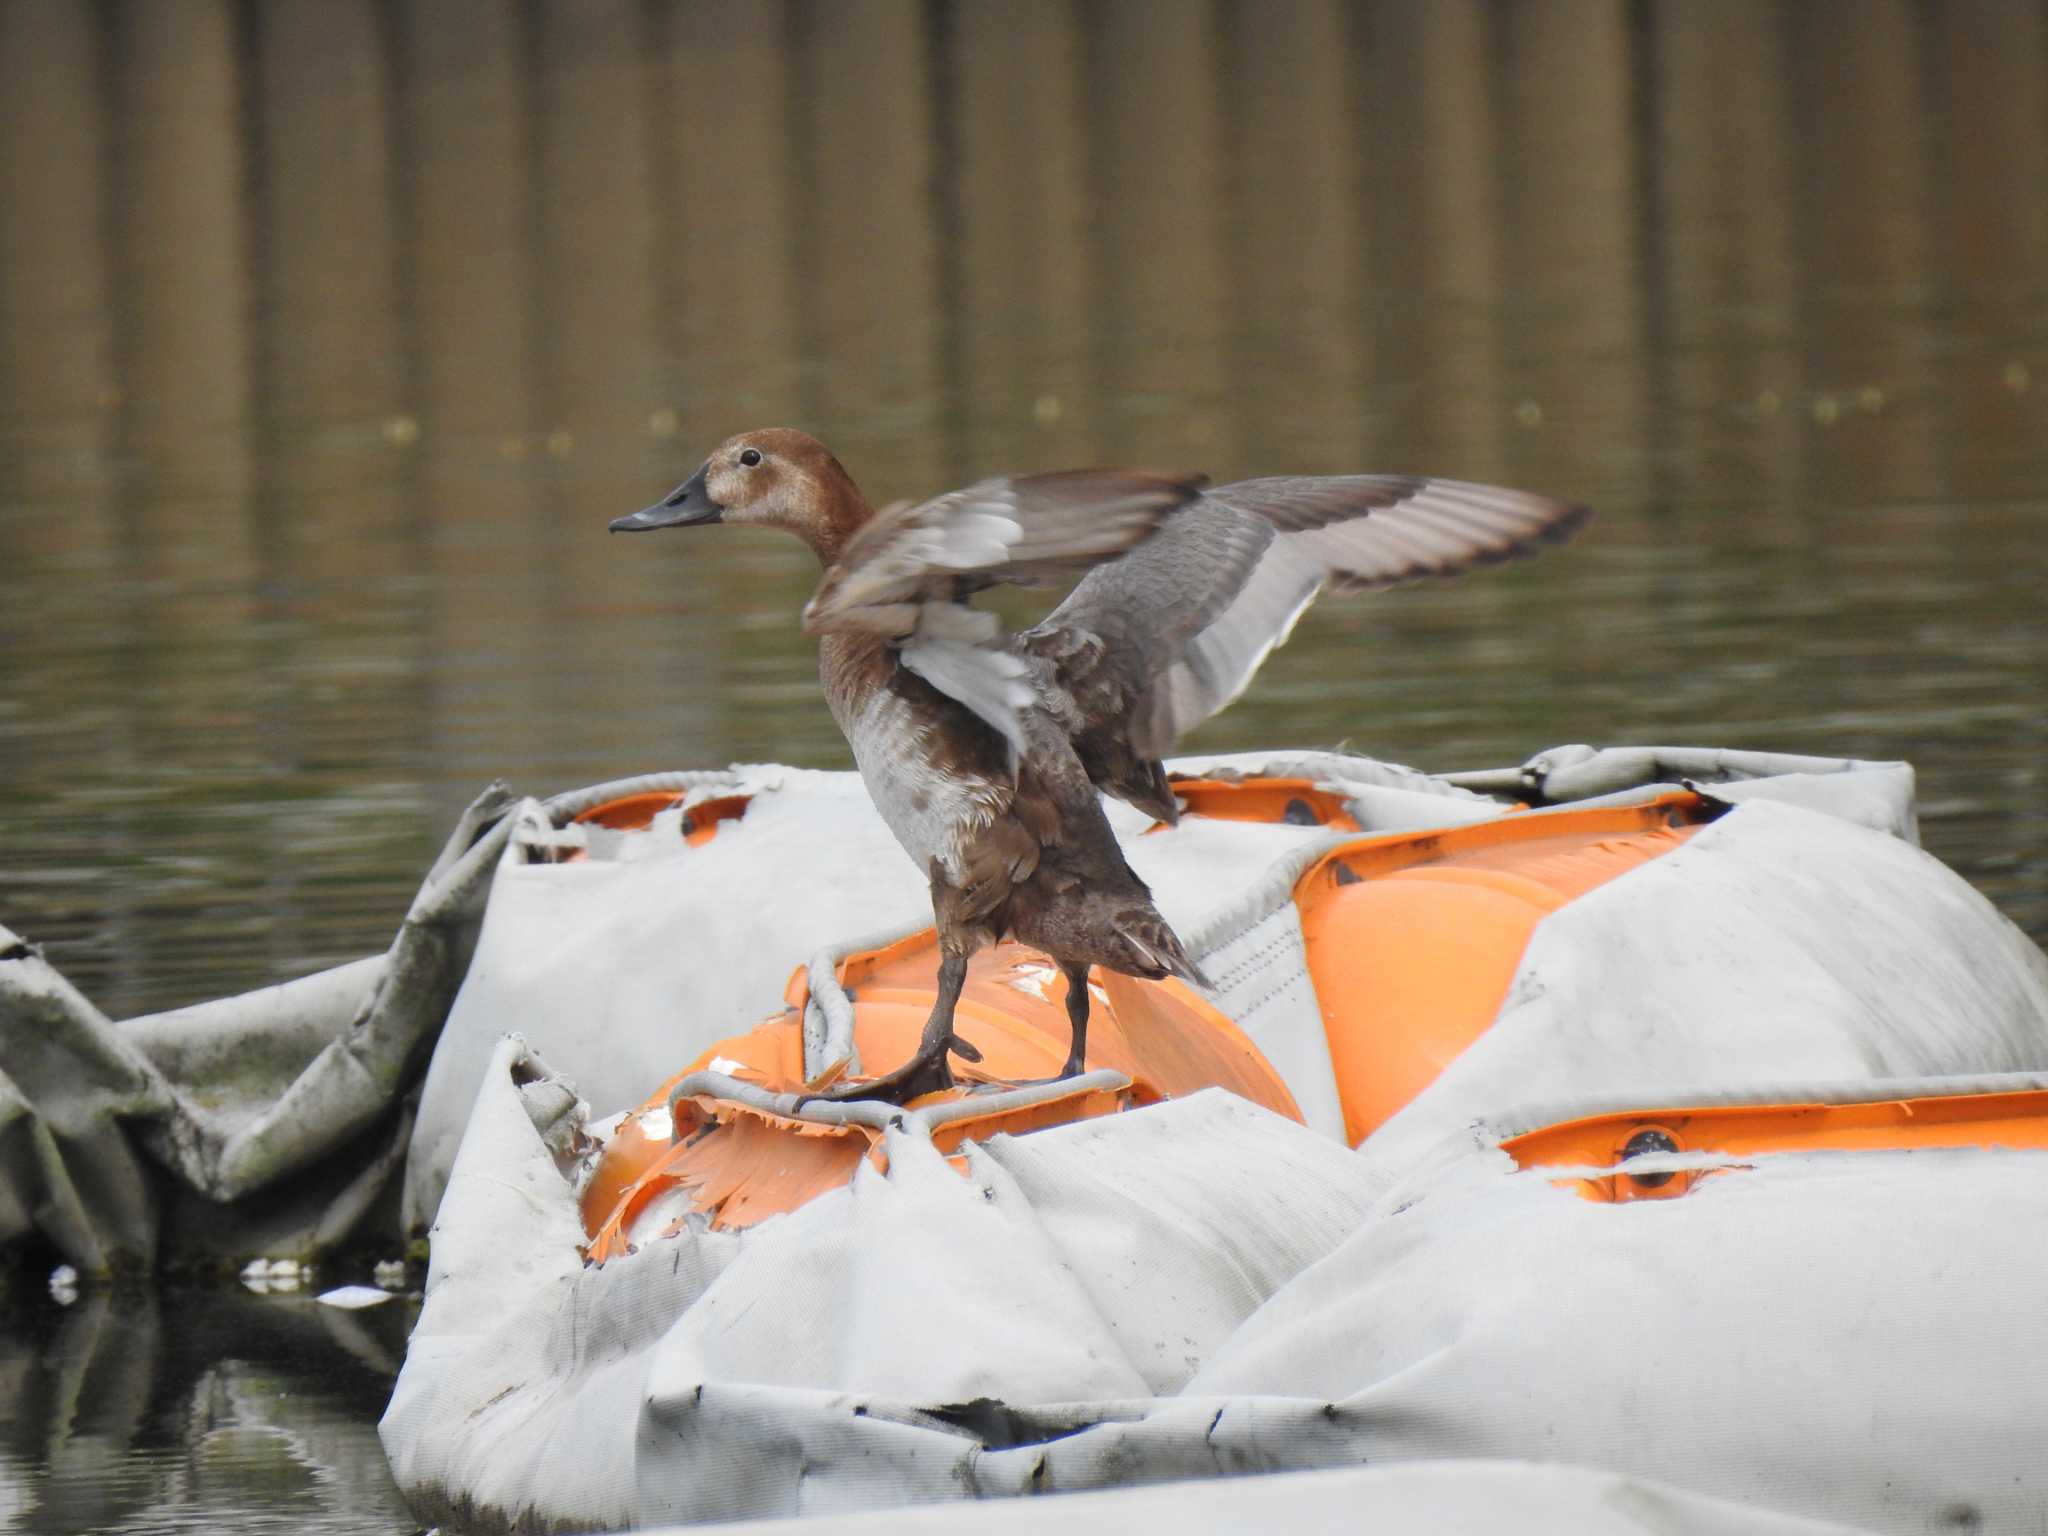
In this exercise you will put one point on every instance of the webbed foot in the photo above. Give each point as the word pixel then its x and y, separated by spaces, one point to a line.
pixel 929 1071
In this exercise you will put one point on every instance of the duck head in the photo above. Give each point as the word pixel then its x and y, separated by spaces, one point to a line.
pixel 773 478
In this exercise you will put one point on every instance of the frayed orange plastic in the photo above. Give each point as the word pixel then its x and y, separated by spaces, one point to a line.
pixel 740 1165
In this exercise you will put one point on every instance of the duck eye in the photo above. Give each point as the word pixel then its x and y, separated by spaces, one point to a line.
pixel 750 457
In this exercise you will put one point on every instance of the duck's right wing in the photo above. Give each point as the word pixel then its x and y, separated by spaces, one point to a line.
pixel 1171 633
pixel 906 575
pixel 1015 528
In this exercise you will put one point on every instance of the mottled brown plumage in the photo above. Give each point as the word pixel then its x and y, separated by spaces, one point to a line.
pixel 987 754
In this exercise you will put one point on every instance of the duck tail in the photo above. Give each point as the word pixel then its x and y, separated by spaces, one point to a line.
pixel 1143 784
pixel 1156 948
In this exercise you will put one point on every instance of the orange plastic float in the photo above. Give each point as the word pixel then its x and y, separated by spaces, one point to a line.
pixel 1414 938
pixel 636 813
pixel 2012 1121
pixel 1271 800
pixel 740 1164
pixel 1163 1036
pixel 1412 941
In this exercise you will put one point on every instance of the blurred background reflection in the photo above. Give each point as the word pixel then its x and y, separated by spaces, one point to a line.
pixel 163 1413
pixel 333 331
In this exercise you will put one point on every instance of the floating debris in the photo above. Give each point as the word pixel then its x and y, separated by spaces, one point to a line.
pixel 263 1276
pixel 353 1298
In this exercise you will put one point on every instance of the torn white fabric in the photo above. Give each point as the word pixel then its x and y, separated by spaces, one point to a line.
pixel 1846 1335
pixel 1258 970
pixel 1876 794
pixel 622 972
pixel 1099 1262
pixel 1528 1498
pixel 1201 1289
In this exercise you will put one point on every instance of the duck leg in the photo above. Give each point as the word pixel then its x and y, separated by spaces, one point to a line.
pixel 1076 973
pixel 928 1071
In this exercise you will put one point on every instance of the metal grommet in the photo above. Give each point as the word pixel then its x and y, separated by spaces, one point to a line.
pixel 1645 1141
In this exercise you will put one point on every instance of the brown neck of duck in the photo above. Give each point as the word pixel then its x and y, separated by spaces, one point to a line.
pixel 837 511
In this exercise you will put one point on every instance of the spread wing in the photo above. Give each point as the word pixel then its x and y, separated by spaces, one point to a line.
pixel 906 575
pixel 1170 634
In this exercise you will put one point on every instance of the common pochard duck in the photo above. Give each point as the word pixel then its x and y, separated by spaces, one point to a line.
pixel 985 751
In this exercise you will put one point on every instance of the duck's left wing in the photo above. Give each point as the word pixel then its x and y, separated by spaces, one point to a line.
pixel 903 575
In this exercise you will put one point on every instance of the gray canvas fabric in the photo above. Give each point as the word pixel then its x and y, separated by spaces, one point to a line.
pixel 270 1123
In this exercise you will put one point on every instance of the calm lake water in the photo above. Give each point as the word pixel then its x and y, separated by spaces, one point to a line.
pixel 198 1411
pixel 332 332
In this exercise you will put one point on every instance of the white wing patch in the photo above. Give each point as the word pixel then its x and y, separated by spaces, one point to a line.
pixel 980 534
pixel 958 650
pixel 974 535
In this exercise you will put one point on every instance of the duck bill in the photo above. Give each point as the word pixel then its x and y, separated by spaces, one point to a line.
pixel 689 503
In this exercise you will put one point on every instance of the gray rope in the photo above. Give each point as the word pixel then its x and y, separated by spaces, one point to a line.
pixel 881 1116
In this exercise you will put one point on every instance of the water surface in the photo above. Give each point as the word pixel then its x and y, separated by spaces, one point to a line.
pixel 197 1409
